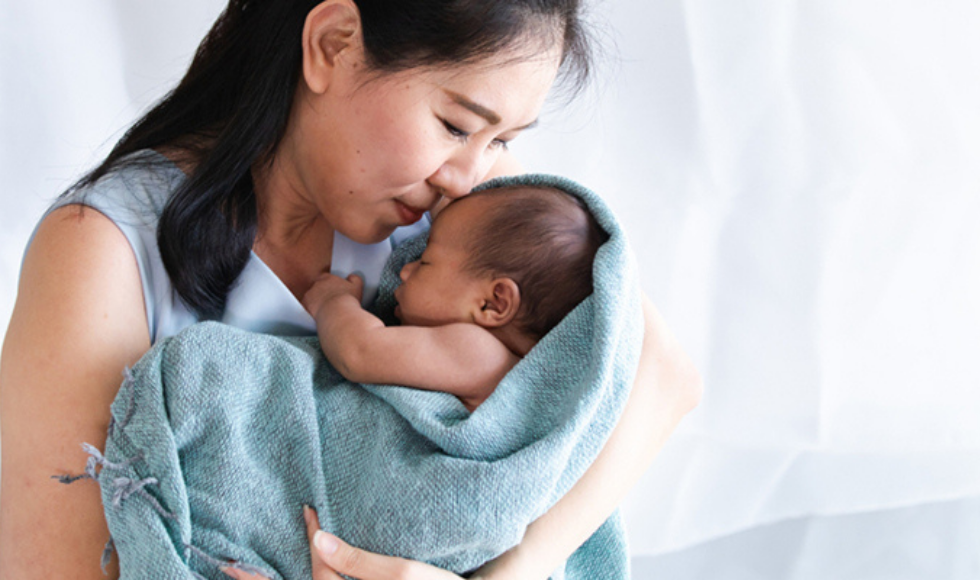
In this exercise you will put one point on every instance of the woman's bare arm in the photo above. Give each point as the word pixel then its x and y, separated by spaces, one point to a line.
pixel 78 322
pixel 666 388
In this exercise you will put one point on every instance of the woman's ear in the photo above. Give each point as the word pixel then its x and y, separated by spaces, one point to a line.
pixel 500 305
pixel 332 31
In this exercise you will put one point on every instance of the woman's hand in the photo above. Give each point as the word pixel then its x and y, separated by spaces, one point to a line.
pixel 330 555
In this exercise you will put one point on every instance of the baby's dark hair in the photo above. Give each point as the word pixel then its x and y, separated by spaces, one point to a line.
pixel 546 241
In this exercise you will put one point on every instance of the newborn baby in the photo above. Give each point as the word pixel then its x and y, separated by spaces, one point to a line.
pixel 501 268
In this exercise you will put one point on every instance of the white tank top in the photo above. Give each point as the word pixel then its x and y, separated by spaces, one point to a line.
pixel 134 197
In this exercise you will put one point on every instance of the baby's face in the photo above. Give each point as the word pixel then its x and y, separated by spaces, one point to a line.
pixel 437 289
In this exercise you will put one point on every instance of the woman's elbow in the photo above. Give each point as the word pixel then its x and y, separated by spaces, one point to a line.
pixel 690 386
pixel 665 367
pixel 668 384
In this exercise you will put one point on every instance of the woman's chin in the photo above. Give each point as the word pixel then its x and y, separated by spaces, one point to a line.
pixel 369 235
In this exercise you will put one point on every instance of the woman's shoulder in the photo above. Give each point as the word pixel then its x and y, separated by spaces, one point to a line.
pixel 111 224
pixel 134 192
pixel 79 262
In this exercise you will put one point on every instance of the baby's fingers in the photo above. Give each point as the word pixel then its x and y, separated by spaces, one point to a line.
pixel 357 284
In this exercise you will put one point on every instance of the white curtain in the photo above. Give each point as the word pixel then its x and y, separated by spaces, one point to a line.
pixel 801 182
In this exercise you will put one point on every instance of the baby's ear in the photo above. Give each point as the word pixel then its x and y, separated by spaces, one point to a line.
pixel 500 305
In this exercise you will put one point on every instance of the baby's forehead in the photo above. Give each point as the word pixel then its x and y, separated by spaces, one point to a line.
pixel 469 202
pixel 463 214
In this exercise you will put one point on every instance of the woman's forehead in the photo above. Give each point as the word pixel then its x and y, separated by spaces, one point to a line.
pixel 498 78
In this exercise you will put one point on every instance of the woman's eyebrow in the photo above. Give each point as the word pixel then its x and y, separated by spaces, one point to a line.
pixel 491 117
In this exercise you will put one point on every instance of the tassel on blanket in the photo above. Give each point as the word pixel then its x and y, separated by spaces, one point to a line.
pixel 125 487
pixel 95 459
pixel 127 387
pixel 190 550
pixel 110 547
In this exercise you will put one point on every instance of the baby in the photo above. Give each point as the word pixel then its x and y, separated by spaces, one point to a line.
pixel 502 267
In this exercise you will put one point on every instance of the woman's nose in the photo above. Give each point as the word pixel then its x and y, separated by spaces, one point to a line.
pixel 459 175
pixel 451 182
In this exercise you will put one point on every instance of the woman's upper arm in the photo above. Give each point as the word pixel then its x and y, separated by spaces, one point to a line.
pixel 79 320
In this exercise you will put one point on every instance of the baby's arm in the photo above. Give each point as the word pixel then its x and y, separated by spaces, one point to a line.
pixel 461 359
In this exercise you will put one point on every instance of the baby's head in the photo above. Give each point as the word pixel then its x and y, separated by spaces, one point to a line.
pixel 514 260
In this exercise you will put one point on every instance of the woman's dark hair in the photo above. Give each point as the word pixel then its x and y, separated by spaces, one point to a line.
pixel 554 276
pixel 230 110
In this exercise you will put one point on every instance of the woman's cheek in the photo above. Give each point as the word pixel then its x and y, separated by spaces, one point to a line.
pixel 420 149
pixel 413 164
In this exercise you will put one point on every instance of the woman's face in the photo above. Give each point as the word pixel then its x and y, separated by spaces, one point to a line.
pixel 369 154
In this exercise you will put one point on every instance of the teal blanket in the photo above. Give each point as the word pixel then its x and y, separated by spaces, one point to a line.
pixel 219 436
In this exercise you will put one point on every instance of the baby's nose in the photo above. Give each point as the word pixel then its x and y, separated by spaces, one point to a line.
pixel 407 270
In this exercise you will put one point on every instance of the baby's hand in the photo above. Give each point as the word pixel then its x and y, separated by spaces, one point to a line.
pixel 328 287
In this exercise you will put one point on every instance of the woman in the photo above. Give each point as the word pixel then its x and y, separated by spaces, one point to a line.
pixel 300 126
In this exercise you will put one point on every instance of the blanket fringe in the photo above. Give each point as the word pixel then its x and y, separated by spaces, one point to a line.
pixel 128 387
pixel 110 547
pixel 190 549
pixel 96 459
pixel 125 487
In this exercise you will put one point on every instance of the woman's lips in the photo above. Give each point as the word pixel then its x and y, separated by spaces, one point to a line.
pixel 409 215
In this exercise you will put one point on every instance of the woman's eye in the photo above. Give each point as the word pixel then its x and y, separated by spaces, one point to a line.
pixel 498 144
pixel 455 131
pixel 462 136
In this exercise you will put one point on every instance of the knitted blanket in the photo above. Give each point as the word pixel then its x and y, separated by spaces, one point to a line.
pixel 220 436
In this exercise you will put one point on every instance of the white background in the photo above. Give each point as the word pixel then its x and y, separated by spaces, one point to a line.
pixel 801 182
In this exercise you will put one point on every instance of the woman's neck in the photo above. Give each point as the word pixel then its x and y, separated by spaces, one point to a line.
pixel 293 238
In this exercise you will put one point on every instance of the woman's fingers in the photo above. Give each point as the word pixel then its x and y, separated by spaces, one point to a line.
pixel 363 565
pixel 320 569
pixel 330 555
pixel 354 562
pixel 312 523
pixel 241 574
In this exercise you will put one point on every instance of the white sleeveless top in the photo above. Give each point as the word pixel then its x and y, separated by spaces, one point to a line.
pixel 133 198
